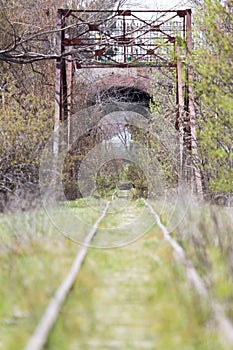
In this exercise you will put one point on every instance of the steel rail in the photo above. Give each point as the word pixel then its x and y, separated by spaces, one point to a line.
pixel 40 336
pixel 225 326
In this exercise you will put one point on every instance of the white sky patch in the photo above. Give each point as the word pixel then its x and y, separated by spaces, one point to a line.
pixel 157 4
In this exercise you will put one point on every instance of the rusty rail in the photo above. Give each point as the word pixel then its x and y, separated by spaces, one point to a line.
pixel 39 338
pixel 225 326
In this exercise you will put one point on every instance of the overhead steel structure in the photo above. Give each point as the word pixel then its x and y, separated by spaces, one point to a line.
pixel 125 39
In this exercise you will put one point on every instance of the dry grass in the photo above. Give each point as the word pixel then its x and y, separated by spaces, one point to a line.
pixel 136 297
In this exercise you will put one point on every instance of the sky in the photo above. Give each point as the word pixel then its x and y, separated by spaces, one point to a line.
pixel 158 4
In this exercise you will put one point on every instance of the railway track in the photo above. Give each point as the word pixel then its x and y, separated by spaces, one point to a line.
pixel 40 336
pixel 225 326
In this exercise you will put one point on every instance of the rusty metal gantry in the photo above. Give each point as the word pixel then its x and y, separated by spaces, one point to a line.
pixel 127 39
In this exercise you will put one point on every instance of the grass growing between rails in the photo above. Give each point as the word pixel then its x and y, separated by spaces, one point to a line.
pixel 34 259
pixel 135 297
pixel 138 297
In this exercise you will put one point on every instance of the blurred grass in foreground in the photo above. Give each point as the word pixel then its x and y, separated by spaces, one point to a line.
pixel 135 297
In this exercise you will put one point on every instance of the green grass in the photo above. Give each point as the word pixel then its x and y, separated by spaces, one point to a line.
pixel 135 297
pixel 34 257
pixel 206 234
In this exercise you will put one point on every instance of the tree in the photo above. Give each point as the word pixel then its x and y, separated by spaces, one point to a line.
pixel 214 97
pixel 25 125
pixel 28 29
pixel 27 55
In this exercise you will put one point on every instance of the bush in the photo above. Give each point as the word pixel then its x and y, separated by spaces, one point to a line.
pixel 25 124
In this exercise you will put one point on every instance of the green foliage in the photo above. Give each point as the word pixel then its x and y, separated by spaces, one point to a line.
pixel 106 184
pixel 129 172
pixel 213 65
pixel 30 250
pixel 26 124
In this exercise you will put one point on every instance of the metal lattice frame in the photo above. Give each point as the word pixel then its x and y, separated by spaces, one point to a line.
pixel 124 39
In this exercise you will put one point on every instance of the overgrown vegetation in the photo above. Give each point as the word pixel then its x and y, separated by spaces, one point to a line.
pixel 213 59
pixel 26 91
pixel 206 234
pixel 142 285
pixel 34 257
pixel 26 124
pixel 27 52
pixel 138 296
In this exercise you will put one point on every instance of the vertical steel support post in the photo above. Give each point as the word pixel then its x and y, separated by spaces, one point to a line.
pixel 124 36
pixel 69 96
pixel 190 106
pixel 179 116
pixel 58 83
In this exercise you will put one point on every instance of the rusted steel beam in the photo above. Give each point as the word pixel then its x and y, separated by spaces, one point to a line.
pixel 134 47
pixel 58 83
pixel 61 83
pixel 182 13
pixel 124 65
pixel 67 12
pixel 58 69
pixel 124 12
pixel 93 27
pixel 60 90
pixel 155 28
pixel 191 108
pixel 128 40
pixel 69 97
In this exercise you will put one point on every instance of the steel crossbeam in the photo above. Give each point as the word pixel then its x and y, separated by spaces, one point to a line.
pixel 128 39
